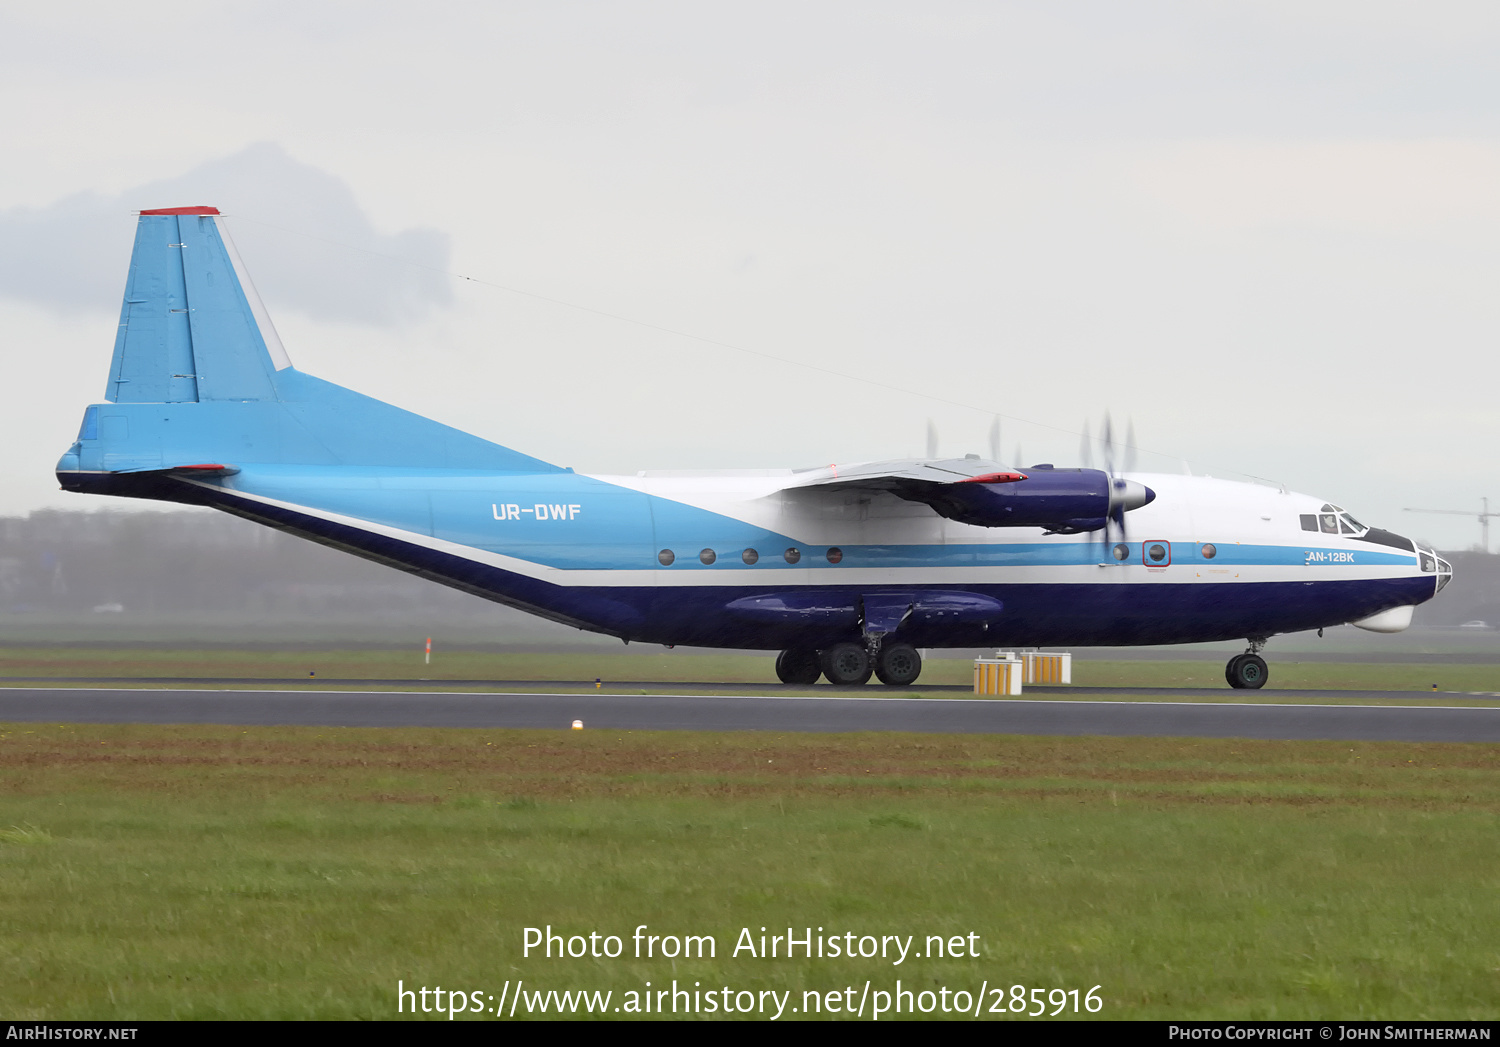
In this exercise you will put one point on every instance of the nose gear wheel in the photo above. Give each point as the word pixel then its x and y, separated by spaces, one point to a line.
pixel 1246 672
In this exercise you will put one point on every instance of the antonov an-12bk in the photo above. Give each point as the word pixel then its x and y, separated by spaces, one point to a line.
pixel 846 570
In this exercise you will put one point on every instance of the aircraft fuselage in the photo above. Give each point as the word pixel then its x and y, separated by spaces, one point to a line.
pixel 847 570
pixel 742 561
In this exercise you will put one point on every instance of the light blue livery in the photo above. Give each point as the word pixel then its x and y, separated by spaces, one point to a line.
pixel 846 570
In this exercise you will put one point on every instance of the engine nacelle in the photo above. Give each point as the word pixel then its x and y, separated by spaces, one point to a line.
pixel 1059 500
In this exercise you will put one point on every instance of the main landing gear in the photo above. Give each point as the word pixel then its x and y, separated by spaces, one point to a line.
pixel 850 664
pixel 1248 671
pixel 798 666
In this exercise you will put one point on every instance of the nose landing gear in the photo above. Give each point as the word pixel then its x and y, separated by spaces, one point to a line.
pixel 1248 671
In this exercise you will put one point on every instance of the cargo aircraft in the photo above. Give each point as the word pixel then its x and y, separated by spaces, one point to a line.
pixel 846 570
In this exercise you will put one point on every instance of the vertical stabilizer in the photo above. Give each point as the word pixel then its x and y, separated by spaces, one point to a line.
pixel 192 328
pixel 200 386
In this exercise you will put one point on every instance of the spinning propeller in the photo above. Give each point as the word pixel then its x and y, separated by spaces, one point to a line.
pixel 932 443
pixel 1124 494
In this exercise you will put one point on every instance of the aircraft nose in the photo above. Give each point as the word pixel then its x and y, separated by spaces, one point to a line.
pixel 1443 568
pixel 1432 563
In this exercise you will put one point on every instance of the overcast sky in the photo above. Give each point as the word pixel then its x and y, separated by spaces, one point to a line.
pixel 1265 232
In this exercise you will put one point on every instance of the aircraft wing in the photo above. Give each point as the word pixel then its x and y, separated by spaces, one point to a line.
pixel 957 488
pixel 985 493
pixel 905 476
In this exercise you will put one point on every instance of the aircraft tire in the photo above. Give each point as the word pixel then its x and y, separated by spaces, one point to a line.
pixel 798 665
pixel 899 665
pixel 846 664
pixel 1247 672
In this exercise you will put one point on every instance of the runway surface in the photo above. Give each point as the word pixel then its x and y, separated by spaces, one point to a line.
pixel 657 712
pixel 707 687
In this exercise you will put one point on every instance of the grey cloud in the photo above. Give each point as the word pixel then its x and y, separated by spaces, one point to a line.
pixel 304 238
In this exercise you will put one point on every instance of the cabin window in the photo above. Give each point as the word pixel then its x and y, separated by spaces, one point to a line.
pixel 750 556
pixel 1121 552
pixel 665 557
pixel 1158 553
pixel 1209 552
pixel 835 554
pixel 792 555
pixel 707 556
pixel 1309 521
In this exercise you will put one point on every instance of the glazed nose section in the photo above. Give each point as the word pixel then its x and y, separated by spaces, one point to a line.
pixel 1444 572
pixel 1432 563
pixel 1125 495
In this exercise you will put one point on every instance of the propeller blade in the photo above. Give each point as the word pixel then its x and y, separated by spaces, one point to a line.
pixel 1114 517
pixel 1123 494
pixel 932 444
pixel 1086 448
pixel 1018 459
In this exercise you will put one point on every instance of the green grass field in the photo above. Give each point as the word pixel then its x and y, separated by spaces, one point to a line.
pixel 158 872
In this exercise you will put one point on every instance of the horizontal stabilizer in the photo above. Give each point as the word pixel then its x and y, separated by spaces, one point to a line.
pixel 191 472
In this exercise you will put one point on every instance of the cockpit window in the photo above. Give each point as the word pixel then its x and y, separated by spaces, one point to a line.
pixel 1332 520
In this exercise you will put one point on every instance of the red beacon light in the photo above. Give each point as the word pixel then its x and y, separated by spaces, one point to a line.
pixel 994 478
